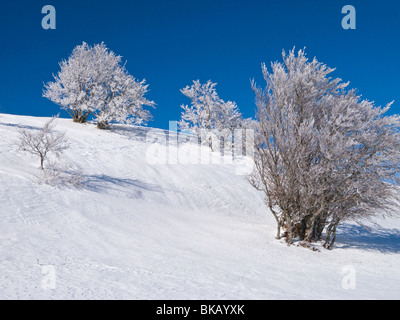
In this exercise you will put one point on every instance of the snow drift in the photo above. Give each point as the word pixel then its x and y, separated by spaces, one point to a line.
pixel 141 230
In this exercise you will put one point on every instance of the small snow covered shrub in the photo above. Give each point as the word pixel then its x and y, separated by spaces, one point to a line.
pixel 43 142
pixel 94 81
pixel 323 155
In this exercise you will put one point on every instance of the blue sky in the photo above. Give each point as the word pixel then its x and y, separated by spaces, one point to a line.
pixel 172 42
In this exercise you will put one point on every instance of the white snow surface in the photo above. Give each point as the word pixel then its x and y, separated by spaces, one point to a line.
pixel 138 230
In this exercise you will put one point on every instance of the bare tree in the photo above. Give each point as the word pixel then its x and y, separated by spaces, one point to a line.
pixel 43 142
pixel 323 155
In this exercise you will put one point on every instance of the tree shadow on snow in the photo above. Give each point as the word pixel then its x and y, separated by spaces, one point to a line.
pixel 145 134
pixel 107 184
pixel 19 126
pixel 132 133
pixel 380 239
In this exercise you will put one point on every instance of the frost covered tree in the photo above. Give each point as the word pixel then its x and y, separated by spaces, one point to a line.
pixel 208 116
pixel 43 142
pixel 323 155
pixel 93 81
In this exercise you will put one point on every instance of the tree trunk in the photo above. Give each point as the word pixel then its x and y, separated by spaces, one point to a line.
pixel 103 125
pixel 289 232
pixel 331 232
pixel 42 162
pixel 310 234
pixel 210 144
pixel 80 117
pixel 278 223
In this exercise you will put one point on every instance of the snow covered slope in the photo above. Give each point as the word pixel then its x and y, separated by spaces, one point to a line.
pixel 139 230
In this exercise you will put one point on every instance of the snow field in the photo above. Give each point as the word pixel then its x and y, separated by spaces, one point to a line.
pixel 139 230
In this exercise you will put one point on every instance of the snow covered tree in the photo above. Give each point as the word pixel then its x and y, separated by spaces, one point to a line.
pixel 93 81
pixel 209 117
pixel 323 155
pixel 43 142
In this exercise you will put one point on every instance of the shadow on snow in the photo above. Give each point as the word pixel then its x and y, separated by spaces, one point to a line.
pixel 107 184
pixel 19 126
pixel 379 239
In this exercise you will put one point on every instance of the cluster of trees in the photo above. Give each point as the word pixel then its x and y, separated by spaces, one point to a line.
pixel 93 81
pixel 322 154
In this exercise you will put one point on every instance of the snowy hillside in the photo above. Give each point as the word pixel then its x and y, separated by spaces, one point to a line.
pixel 138 230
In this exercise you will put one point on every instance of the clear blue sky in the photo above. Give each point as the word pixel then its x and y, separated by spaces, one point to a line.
pixel 172 42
